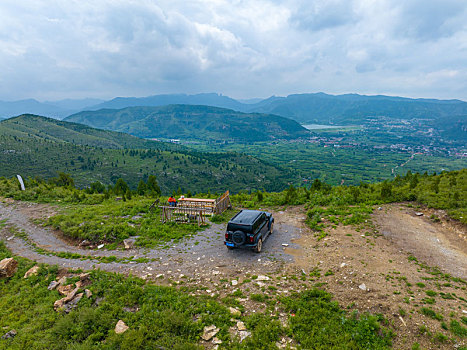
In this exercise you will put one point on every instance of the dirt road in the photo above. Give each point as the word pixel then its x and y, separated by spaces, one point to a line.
pixel 442 244
pixel 190 257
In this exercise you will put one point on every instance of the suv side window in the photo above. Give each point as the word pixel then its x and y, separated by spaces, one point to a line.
pixel 255 225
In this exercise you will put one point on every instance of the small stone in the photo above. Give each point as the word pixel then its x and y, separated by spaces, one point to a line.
pixel 234 311
pixel 62 280
pixel 65 290
pixel 216 341
pixel 8 267
pixel 129 243
pixel 10 334
pixel 244 335
pixel 53 285
pixel 234 282
pixel 121 327
pixel 60 304
pixel 262 278
pixel 362 287
pixel 241 326
pixel 72 303
pixel 32 271
pixel 209 332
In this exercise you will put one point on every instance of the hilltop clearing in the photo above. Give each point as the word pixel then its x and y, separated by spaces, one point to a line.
pixel 370 270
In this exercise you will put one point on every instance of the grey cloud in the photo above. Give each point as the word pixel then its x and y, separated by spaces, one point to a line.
pixel 431 20
pixel 320 15
pixel 244 48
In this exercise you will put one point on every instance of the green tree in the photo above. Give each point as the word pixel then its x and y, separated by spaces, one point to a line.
pixel 153 186
pixel 386 190
pixel 120 187
pixel 142 188
pixel 64 180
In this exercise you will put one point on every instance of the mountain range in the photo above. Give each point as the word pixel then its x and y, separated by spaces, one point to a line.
pixel 321 108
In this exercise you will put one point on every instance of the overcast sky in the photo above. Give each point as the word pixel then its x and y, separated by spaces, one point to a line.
pixel 243 49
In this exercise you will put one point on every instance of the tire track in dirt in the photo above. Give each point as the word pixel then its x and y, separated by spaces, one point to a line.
pixel 437 244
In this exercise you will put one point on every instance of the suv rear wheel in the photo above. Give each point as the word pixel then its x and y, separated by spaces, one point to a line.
pixel 259 246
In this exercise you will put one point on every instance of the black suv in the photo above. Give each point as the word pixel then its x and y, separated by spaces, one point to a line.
pixel 249 229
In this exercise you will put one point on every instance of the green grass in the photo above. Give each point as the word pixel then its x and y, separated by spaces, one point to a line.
pixel 167 318
pixel 112 221
pixel 319 323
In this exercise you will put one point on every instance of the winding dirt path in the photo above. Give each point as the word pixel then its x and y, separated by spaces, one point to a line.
pixel 191 257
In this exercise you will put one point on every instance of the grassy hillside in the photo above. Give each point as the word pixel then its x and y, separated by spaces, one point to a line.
pixel 192 122
pixel 40 147
pixel 42 128
pixel 330 205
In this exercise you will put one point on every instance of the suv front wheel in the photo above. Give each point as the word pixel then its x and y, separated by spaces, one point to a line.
pixel 259 246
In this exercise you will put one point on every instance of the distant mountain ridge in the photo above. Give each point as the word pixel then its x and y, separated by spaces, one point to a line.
pixel 206 99
pixel 52 109
pixel 313 108
pixel 355 109
pixel 192 122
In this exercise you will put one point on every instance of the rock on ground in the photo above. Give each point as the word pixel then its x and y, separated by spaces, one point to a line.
pixel 8 267
pixel 209 332
pixel 10 334
pixel 33 271
pixel 59 304
pixel 234 311
pixel 121 327
pixel 129 243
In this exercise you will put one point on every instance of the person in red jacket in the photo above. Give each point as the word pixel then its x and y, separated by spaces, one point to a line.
pixel 172 201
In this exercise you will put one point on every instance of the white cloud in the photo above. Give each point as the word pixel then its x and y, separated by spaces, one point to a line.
pixel 243 48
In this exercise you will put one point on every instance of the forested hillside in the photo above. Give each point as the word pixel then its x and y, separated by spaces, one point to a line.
pixel 40 147
pixel 192 122
pixel 42 128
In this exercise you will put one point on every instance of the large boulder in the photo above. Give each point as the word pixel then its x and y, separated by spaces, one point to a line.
pixel 8 267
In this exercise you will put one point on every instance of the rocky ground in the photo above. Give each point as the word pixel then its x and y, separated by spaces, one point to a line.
pixel 384 268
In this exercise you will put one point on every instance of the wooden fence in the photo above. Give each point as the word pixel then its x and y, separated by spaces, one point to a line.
pixel 195 210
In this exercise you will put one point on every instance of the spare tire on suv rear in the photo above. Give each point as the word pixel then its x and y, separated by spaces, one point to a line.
pixel 239 237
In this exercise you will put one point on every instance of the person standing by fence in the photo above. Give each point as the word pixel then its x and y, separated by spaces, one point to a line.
pixel 172 201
